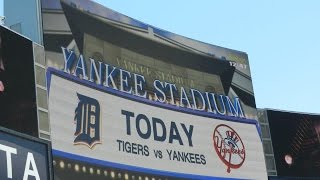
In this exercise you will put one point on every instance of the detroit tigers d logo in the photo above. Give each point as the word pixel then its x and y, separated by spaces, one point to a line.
pixel 87 120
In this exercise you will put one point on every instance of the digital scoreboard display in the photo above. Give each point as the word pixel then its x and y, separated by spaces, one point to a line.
pixel 296 147
pixel 18 105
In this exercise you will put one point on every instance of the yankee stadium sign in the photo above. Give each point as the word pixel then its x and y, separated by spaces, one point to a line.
pixel 165 92
pixel 99 125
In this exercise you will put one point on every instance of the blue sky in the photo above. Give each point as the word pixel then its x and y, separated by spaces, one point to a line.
pixel 282 39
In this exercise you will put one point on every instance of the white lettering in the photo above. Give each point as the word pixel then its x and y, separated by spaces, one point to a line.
pixel 9 151
pixel 30 172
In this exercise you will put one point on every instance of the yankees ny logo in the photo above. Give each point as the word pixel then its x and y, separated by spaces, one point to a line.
pixel 87 120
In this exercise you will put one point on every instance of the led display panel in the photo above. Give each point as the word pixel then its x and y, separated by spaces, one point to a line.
pixel 18 107
pixel 296 147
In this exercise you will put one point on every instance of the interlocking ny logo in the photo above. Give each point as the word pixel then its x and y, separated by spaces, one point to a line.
pixel 87 120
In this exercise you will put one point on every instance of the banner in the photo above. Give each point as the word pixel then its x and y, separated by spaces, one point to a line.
pixel 105 127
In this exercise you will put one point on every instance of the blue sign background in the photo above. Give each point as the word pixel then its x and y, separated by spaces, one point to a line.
pixel 40 149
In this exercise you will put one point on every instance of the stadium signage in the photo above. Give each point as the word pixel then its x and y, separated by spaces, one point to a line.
pixel 23 157
pixel 165 92
pixel 229 146
pixel 30 164
pixel 95 124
